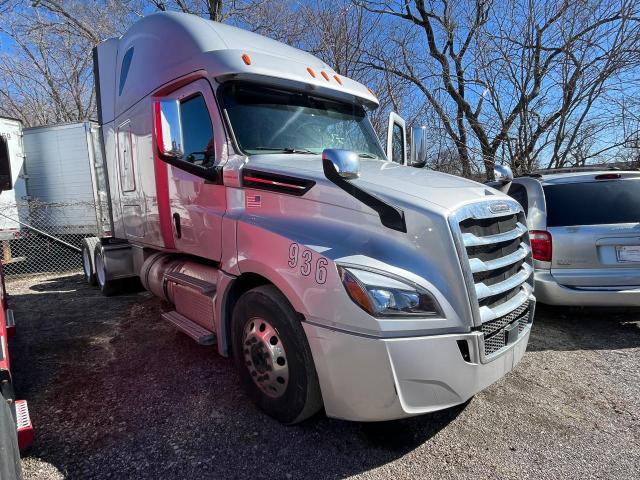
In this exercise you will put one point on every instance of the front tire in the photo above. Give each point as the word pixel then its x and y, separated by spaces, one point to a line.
pixel 272 356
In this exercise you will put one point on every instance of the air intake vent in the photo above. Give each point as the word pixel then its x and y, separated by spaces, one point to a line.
pixel 276 183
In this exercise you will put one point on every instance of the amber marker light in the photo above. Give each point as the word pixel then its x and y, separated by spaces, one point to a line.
pixel 311 72
pixel 324 74
pixel 356 291
pixel 338 79
pixel 246 59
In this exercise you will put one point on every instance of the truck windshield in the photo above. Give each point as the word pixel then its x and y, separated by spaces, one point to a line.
pixel 269 120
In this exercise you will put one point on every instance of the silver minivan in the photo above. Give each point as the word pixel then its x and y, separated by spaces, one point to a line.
pixel 585 235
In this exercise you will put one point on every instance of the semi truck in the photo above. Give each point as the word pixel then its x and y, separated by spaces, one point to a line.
pixel 249 191
pixel 16 431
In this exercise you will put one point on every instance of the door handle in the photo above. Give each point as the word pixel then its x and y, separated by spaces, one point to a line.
pixel 176 222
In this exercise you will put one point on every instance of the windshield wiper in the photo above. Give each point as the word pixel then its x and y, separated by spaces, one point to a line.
pixel 285 149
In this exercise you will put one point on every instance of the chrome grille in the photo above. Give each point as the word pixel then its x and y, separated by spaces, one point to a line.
pixel 495 254
pixel 494 326
pixel 495 337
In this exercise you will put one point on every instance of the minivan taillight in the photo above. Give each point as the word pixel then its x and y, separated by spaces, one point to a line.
pixel 540 245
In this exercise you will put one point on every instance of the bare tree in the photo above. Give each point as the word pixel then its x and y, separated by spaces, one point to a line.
pixel 483 65
pixel 212 9
pixel 46 76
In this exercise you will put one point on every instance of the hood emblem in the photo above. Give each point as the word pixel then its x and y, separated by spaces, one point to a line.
pixel 499 207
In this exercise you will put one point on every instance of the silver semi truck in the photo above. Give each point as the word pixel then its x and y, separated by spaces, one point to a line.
pixel 249 190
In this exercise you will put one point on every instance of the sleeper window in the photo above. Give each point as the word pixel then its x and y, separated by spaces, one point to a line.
pixel 197 131
pixel 124 69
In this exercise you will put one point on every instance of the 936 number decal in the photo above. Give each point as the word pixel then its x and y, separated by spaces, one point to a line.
pixel 303 259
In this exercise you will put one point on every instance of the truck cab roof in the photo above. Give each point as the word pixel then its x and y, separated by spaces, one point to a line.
pixel 164 46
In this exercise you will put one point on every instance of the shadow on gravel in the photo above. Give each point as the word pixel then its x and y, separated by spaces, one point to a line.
pixel 575 328
pixel 115 392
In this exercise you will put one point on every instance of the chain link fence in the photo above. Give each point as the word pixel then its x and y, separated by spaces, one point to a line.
pixel 42 238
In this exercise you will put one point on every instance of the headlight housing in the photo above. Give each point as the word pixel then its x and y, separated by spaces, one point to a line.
pixel 386 296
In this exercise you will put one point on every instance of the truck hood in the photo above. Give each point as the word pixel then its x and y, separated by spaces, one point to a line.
pixel 397 184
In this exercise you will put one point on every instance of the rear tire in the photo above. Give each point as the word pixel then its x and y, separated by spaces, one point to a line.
pixel 107 287
pixel 88 262
pixel 272 356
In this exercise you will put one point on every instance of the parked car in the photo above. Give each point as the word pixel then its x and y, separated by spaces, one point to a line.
pixel 585 235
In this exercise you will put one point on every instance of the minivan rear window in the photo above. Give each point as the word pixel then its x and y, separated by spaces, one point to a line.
pixel 593 203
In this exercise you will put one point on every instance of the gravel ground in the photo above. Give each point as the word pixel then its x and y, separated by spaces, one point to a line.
pixel 115 392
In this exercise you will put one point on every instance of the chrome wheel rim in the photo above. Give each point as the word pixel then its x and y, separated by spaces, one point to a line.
pixel 265 357
pixel 100 273
pixel 86 263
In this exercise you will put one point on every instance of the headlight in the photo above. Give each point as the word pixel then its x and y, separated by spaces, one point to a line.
pixel 384 296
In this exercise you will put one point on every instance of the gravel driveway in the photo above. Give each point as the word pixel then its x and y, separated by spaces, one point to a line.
pixel 115 392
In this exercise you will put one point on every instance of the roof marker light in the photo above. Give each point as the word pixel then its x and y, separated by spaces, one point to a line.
pixel 324 74
pixel 338 79
pixel 246 58
pixel 311 72
pixel 372 92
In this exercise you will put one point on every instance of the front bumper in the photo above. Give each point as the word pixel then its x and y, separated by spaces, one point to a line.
pixel 550 292
pixel 375 379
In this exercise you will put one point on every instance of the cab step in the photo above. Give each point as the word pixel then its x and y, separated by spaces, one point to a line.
pixel 191 328
pixel 24 428
pixel 201 286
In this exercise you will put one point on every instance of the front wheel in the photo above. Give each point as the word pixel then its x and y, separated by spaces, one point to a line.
pixel 272 356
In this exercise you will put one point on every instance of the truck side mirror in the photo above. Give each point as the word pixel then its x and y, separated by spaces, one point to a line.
pixel 345 162
pixel 168 129
pixel 503 173
pixel 503 178
pixel 5 165
pixel 397 139
pixel 419 146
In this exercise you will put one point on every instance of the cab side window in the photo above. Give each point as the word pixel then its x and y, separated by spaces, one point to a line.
pixel 519 193
pixel 197 131
pixel 397 149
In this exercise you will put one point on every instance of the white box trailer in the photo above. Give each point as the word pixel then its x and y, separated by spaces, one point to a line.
pixel 64 164
pixel 12 207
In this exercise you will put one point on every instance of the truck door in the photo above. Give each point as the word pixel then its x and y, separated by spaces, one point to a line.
pixel 197 205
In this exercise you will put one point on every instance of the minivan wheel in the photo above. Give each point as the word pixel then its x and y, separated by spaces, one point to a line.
pixel 272 356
